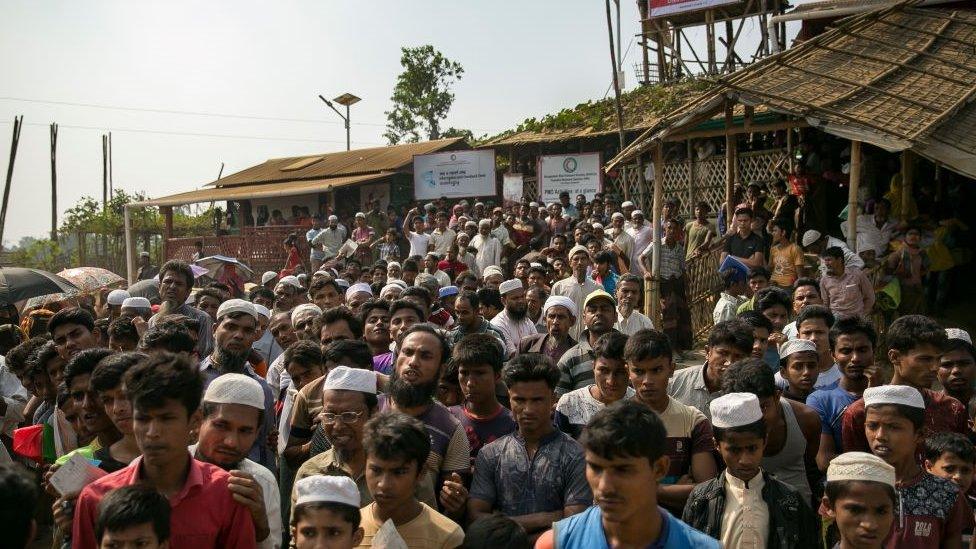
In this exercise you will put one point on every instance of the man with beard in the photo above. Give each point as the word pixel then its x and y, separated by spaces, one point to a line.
pixel 232 408
pixel 422 355
pixel 288 294
pixel 576 365
pixel 235 330
pixel 852 343
pixel 514 321
pixel 175 282
pixel 303 320
pixel 73 331
pixel 629 319
pixel 348 402
pixel 578 286
pixel 559 314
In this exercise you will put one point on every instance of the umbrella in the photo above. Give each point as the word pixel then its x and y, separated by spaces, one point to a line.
pixel 214 263
pixel 148 289
pixel 91 279
pixel 42 301
pixel 19 283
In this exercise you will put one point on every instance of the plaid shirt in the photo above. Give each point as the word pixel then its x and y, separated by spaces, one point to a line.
pixel 672 259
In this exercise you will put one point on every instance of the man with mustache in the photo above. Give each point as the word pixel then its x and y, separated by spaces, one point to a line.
pixel 175 283
pixel 422 355
pixel 232 408
pixel 576 365
pixel 234 332
pixel 514 321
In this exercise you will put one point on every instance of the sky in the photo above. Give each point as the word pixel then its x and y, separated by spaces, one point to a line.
pixel 147 70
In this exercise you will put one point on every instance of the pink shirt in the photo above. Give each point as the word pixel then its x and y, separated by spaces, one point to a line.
pixel 850 294
pixel 203 513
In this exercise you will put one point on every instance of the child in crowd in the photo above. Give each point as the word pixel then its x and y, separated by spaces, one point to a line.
pixel 133 516
pixel 952 456
pixel 860 499
pixel 326 513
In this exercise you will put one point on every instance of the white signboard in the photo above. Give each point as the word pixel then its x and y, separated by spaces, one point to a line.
pixel 512 188
pixel 660 8
pixel 572 173
pixel 454 174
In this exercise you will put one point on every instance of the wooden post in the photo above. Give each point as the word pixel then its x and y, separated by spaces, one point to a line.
pixel 852 195
pixel 54 182
pixel 907 166
pixel 18 124
pixel 130 252
pixel 645 61
pixel 691 177
pixel 729 163
pixel 710 40
pixel 167 212
pixel 82 250
pixel 111 183
pixel 656 250
pixel 729 47
pixel 104 171
pixel 616 81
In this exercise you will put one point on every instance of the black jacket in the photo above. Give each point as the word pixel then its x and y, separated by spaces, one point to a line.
pixel 792 524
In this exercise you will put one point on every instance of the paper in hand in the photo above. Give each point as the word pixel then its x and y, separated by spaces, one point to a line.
pixel 75 474
pixel 387 537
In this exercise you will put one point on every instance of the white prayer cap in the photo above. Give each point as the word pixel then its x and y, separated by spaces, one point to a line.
pixel 232 306
pixel 616 215
pixel 289 281
pixel 342 283
pixel 598 226
pixel 116 297
pixel 796 346
pixel 894 394
pixel 562 301
pixel 533 204
pixel 485 222
pixel 860 466
pixel 268 276
pixel 136 303
pixel 358 288
pixel 235 389
pixel 535 264
pixel 627 204
pixel 951 333
pixel 304 309
pixel 360 215
pixel 262 310
pixel 636 212
pixel 577 249
pixel 327 489
pixel 810 237
pixel 393 264
pixel 390 288
pixel 490 271
pixel 735 410
pixel 333 218
pixel 510 286
pixel 351 379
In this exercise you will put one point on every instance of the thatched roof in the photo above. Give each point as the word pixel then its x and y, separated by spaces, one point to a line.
pixel 899 77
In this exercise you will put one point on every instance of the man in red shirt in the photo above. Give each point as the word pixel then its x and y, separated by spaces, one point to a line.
pixel 165 391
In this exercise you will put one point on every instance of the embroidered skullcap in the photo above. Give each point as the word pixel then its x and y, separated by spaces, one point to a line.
pixel 116 297
pixel 561 301
pixel 392 264
pixel 232 306
pixel 636 212
pixel 951 333
pixel 136 303
pixel 304 309
pixel 796 346
pixel 894 394
pixel 351 379
pixel 289 281
pixel 268 276
pixel 735 410
pixel 533 204
pixel 491 270
pixel 577 249
pixel 360 215
pixel 627 204
pixel 470 224
pixel 327 489
pixel 262 310
pixel 616 215
pixel 810 237
pixel 598 226
pixel 342 283
pixel 235 389
pixel 485 222
pixel 333 218
pixel 358 288
pixel 510 286
pixel 860 466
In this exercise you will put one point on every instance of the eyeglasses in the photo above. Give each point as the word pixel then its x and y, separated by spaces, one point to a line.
pixel 344 417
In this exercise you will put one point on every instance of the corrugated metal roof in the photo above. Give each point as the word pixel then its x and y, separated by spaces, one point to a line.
pixel 262 190
pixel 344 163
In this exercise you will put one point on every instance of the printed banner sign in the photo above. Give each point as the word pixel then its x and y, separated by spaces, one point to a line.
pixel 512 188
pixel 454 174
pixel 659 8
pixel 572 173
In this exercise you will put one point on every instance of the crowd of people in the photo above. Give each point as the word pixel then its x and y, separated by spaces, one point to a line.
pixel 478 378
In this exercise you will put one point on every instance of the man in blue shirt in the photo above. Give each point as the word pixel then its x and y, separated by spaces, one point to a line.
pixel 625 461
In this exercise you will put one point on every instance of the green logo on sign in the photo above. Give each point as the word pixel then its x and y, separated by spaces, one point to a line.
pixel 570 165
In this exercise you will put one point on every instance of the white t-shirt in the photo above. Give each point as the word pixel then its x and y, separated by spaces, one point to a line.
pixel 418 243
pixel 578 406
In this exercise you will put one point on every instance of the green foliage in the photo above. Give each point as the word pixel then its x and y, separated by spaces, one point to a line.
pixel 422 95
pixel 38 254
pixel 87 216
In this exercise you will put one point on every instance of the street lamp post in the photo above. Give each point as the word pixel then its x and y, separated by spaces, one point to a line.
pixel 346 99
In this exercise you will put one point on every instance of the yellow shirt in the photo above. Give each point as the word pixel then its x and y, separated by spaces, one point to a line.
pixel 785 263
pixel 430 530
pixel 745 521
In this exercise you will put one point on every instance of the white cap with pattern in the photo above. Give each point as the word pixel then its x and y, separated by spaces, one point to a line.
pixel 510 286
pixel 951 333
pixel 735 410
pixel 796 346
pixel 304 309
pixel 116 297
pixel 860 466
pixel 327 489
pixel 232 306
pixel 894 394
pixel 351 379
pixel 235 389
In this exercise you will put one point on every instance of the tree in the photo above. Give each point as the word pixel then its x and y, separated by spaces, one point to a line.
pixel 422 95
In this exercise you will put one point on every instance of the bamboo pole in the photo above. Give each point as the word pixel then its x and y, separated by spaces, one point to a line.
pixel 104 171
pixel 852 195
pixel 656 250
pixel 130 253
pixel 729 164
pixel 616 81
pixel 54 183
pixel 18 124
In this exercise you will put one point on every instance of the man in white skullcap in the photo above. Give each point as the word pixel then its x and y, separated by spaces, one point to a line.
pixel 330 238
pixel 265 344
pixel 136 306
pixel 957 368
pixel 579 285
pixel 234 332
pixel 492 276
pixel 559 315
pixel 640 230
pixel 348 402
pixel 113 302
pixel 488 247
pixel 744 505
pixel 932 511
pixel 303 320
pixel 798 369
pixel 324 505
pixel 513 322
pixel 915 343
pixel 269 279
pixel 234 403
pixel 289 292
pixel 858 481
pixel 357 294
pixel 814 242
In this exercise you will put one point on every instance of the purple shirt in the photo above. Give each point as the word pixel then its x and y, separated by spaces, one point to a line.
pixel 383 363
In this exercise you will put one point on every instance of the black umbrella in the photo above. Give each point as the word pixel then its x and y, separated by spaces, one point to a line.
pixel 148 289
pixel 18 284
